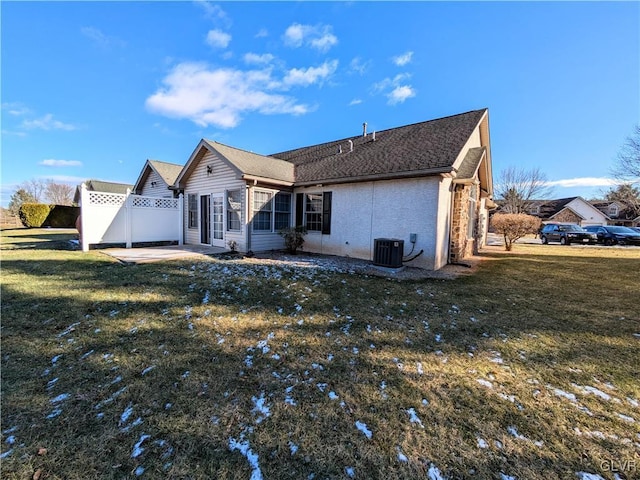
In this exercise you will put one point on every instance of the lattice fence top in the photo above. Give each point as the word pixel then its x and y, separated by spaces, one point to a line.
pixel 106 199
pixel 151 202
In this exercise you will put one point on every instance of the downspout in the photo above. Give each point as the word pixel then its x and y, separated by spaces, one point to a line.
pixel 451 212
pixel 246 222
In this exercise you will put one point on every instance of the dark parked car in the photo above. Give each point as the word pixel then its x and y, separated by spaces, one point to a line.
pixel 635 229
pixel 611 234
pixel 566 234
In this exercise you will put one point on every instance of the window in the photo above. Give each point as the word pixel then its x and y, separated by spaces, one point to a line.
pixel 234 210
pixel 613 210
pixel 471 226
pixel 271 211
pixel 282 210
pixel 313 211
pixel 262 211
pixel 193 210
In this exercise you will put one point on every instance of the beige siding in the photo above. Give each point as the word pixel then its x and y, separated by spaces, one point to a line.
pixel 200 183
pixel 161 189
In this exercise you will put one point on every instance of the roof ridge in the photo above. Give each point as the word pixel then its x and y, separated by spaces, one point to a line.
pixel 331 143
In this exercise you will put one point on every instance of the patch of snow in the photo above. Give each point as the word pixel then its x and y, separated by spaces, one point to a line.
pixel 126 414
pixel 11 439
pixel 594 391
pixel 147 370
pixel 562 393
pixel 485 383
pixel 55 359
pixel 244 448
pixel 260 407
pixel 293 447
pixel 90 352
pixel 514 431
pixel 350 472
pixel 139 471
pixel 333 396
pixel 60 398
pixel 434 473
pixel 54 413
pixel 506 477
pixel 588 476
pixel 419 368
pixel 626 418
pixel 363 428
pixel 633 402
pixel 137 448
pixel 6 454
pixel 482 443
pixel 413 417
pixel 401 456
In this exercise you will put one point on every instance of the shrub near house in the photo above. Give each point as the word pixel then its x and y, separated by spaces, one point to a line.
pixel 513 226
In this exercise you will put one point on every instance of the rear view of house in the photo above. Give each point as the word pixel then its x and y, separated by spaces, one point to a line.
pixel 427 186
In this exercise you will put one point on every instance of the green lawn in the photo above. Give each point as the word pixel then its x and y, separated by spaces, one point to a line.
pixel 237 369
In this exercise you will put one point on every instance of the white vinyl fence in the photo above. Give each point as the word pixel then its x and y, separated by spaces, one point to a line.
pixel 126 218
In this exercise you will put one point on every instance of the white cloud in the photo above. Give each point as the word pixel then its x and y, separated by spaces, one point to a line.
pixel 213 12
pixel 355 101
pixel 47 123
pixel 400 94
pixel 219 96
pixel 311 75
pixel 255 59
pixel 15 109
pixel 101 39
pixel 262 33
pixel 583 182
pixel 50 162
pixel 357 65
pixel 395 89
pixel 402 60
pixel 319 37
pixel 218 39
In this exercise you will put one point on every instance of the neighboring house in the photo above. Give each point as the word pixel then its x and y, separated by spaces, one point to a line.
pixel 582 212
pixel 568 210
pixel 618 213
pixel 156 179
pixel 429 182
pixel 100 186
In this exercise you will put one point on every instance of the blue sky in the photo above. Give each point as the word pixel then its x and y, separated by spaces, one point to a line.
pixel 93 89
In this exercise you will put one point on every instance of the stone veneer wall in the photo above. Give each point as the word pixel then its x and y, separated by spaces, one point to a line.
pixel 567 217
pixel 461 245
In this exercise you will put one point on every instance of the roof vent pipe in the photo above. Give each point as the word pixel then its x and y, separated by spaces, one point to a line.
pixel 339 148
pixel 351 145
pixel 373 136
pixel 364 129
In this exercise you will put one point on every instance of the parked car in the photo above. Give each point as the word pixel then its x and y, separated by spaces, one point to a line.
pixel 566 234
pixel 612 234
pixel 635 229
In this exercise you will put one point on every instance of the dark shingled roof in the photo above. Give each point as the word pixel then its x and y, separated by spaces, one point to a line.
pixel 424 148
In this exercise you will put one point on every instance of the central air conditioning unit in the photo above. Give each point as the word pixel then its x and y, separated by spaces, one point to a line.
pixel 387 252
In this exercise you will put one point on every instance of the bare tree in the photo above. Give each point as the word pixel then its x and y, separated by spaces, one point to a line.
pixel 626 194
pixel 35 188
pixel 627 166
pixel 59 193
pixel 518 187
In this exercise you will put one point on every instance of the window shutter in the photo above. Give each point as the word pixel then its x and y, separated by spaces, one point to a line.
pixel 299 209
pixel 326 213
